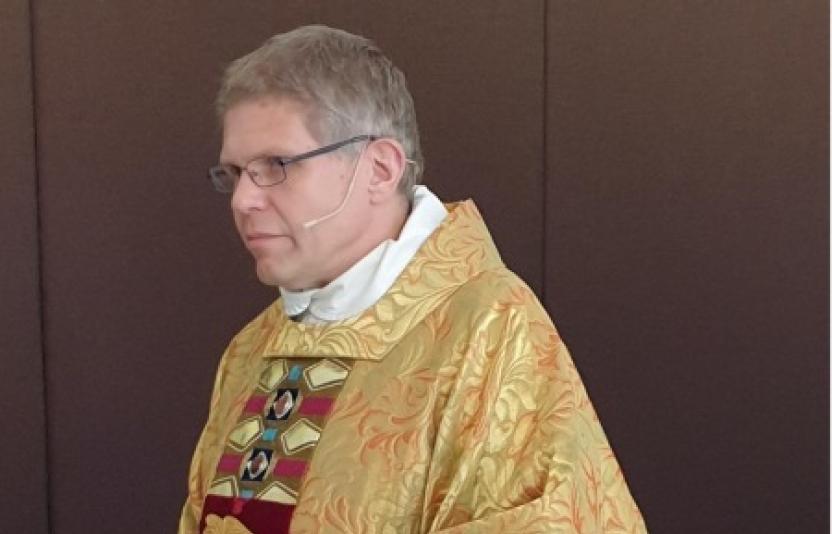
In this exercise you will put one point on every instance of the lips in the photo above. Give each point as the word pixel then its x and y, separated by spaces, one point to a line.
pixel 261 242
pixel 257 235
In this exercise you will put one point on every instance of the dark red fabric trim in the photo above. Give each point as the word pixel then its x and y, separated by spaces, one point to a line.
pixel 260 517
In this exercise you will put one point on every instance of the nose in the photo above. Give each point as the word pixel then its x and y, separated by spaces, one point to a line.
pixel 247 196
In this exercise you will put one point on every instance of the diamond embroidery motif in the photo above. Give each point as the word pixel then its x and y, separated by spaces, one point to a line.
pixel 268 451
pixel 283 403
pixel 257 464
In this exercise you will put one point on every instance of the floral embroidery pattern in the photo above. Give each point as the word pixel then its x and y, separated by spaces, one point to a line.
pixel 463 411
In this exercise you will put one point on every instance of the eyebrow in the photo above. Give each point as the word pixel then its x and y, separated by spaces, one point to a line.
pixel 256 155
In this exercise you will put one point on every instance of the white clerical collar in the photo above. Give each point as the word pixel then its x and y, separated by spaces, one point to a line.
pixel 360 286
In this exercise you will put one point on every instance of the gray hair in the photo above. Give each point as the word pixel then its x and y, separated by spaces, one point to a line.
pixel 348 85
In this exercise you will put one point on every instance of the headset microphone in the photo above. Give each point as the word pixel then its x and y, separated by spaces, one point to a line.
pixel 314 222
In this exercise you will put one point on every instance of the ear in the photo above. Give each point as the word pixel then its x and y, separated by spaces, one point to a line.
pixel 387 164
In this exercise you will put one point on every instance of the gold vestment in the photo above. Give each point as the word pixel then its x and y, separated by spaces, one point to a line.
pixel 461 410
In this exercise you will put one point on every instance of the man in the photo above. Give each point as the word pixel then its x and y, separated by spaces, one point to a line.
pixel 405 381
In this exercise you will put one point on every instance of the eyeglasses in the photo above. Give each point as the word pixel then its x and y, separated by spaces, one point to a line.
pixel 268 171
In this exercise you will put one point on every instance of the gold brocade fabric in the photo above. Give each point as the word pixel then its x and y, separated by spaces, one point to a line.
pixel 463 411
pixel 225 525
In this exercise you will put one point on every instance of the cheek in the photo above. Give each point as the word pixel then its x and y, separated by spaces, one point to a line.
pixel 238 225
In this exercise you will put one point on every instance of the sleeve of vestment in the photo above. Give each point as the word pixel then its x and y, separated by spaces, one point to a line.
pixel 192 508
pixel 523 450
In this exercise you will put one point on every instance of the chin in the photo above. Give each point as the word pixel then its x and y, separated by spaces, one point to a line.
pixel 288 272
pixel 271 276
pixel 267 280
pixel 267 275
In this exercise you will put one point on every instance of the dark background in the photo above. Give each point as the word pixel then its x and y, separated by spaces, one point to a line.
pixel 656 170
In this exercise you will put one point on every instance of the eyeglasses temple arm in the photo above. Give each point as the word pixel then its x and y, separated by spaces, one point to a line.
pixel 328 148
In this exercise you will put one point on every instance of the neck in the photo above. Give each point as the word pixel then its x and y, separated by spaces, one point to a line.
pixel 397 219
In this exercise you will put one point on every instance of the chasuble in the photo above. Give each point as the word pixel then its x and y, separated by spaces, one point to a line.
pixel 450 405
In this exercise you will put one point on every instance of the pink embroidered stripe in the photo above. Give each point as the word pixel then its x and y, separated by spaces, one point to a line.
pixel 229 463
pixel 255 404
pixel 316 406
pixel 289 468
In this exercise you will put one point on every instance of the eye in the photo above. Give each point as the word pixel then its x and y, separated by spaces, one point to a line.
pixel 274 162
pixel 224 177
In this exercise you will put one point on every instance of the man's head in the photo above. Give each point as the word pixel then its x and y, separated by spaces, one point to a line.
pixel 303 90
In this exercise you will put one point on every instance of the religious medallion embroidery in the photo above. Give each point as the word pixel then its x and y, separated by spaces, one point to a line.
pixel 269 449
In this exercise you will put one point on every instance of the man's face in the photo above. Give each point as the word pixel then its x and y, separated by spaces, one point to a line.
pixel 271 220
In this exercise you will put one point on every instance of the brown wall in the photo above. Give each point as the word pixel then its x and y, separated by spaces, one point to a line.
pixel 687 249
pixel 657 171
pixel 23 464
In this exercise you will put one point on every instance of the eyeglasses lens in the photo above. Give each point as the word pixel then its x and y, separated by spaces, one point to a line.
pixel 223 178
pixel 267 171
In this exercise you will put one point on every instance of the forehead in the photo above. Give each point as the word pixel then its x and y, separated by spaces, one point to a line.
pixel 266 125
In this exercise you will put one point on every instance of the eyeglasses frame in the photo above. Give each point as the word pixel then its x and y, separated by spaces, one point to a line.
pixel 284 161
